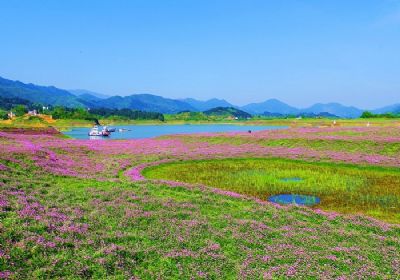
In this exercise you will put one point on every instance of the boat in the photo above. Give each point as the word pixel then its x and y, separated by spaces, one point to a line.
pixel 123 130
pixel 112 129
pixel 96 132
pixel 105 132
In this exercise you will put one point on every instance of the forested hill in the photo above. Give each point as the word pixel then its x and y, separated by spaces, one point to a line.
pixel 228 111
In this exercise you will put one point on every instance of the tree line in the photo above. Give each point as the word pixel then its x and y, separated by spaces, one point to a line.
pixel 370 115
pixel 21 106
pixel 59 112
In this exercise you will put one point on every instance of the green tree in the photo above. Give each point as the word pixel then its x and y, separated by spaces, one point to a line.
pixel 20 110
pixel 59 112
pixel 367 115
pixel 3 115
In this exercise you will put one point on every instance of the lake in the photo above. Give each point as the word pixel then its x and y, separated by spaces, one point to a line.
pixel 149 131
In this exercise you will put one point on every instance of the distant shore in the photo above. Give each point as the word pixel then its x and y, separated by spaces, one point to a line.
pixel 67 124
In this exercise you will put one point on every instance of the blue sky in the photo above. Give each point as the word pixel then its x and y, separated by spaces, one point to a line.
pixel 299 51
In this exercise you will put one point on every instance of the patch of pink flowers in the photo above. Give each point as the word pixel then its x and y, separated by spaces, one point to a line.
pixel 104 159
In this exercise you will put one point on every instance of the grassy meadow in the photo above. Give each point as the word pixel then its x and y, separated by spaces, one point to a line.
pixel 195 206
pixel 43 121
pixel 373 191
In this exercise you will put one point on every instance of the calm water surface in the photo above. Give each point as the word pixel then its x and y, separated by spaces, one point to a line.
pixel 149 131
pixel 292 179
pixel 307 200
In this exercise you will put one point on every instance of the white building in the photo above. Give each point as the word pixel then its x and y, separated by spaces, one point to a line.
pixel 11 115
pixel 32 113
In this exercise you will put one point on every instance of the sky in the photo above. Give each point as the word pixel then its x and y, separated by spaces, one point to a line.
pixel 298 51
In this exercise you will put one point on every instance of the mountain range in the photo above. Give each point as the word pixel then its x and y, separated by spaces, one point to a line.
pixel 49 95
pixel 40 94
pixel 208 104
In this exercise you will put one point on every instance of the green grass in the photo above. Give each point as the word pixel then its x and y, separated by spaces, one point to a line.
pixel 148 230
pixel 374 191
pixel 153 231
pixel 383 148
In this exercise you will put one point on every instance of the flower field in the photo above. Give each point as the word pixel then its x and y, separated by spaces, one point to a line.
pixel 194 206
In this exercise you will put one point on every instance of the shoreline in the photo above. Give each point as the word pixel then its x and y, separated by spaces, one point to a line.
pixel 68 124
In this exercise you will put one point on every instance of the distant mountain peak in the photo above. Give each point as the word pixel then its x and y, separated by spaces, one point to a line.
pixel 47 95
pixel 334 108
pixel 146 102
pixel 207 104
pixel 272 105
pixel 395 108
pixel 80 92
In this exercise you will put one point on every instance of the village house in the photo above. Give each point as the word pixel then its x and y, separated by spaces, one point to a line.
pixel 10 115
pixel 32 113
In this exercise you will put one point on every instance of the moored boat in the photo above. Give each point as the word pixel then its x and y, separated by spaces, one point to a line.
pixel 105 132
pixel 123 130
pixel 95 131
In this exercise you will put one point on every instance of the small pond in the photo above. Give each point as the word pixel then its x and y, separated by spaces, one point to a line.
pixel 306 200
pixel 294 179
